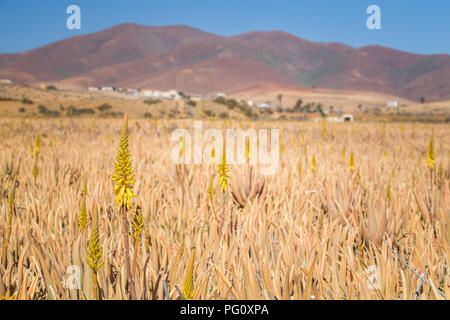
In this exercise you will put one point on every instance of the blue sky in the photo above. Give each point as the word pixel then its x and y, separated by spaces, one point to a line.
pixel 416 25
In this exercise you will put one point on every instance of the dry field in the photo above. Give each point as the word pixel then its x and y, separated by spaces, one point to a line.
pixel 60 100
pixel 348 200
pixel 373 105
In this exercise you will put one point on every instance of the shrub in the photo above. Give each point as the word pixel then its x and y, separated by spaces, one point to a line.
pixel 320 109
pixel 74 111
pixel 268 111
pixel 192 103
pixel 27 101
pixel 49 113
pixel 50 87
pixel 114 114
pixel 209 113
pixel 224 115
pixel 298 106
pixel 152 101
pixel 42 109
pixel 230 103
pixel 104 107
pixel 148 115
pixel 22 110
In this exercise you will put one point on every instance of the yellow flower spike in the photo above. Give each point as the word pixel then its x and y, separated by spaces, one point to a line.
pixel 138 224
pixel 213 155
pixel 94 256
pixel 94 251
pixel 313 164
pixel 210 190
pixel 351 163
pixel 324 129
pixel 38 145
pixel 223 172
pixel 247 150
pixel 188 289
pixel 12 195
pixel 183 147
pixel 123 169
pixel 83 217
pixel 430 154
pixel 388 192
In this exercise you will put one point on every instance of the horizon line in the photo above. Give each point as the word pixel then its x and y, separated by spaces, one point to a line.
pixel 225 36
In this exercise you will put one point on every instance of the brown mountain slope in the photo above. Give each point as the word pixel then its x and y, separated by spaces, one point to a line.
pixel 191 60
pixel 119 44
pixel 208 66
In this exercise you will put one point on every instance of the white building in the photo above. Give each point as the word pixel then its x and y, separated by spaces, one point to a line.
pixel 250 103
pixel 93 89
pixel 107 89
pixel 392 104
pixel 344 118
pixel 133 92
pixel 347 117
pixel 147 93
pixel 5 81
pixel 263 105
pixel 170 95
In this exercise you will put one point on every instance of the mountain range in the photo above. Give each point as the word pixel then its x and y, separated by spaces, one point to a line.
pixel 198 62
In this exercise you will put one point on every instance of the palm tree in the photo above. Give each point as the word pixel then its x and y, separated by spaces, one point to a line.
pixel 280 98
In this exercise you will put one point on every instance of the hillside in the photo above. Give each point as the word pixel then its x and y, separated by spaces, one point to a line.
pixel 195 61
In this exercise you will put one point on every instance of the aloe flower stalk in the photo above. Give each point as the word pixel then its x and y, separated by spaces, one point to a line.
pixel 351 163
pixel 223 172
pixel 430 154
pixel 94 256
pixel 188 288
pixel 83 217
pixel 124 178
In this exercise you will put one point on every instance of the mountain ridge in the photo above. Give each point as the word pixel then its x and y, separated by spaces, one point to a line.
pixel 192 60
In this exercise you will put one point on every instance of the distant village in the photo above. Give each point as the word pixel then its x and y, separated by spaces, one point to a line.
pixel 172 94
pixel 166 95
pixel 175 94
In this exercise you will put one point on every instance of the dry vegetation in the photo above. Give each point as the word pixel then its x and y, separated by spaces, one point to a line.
pixel 25 102
pixel 310 231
